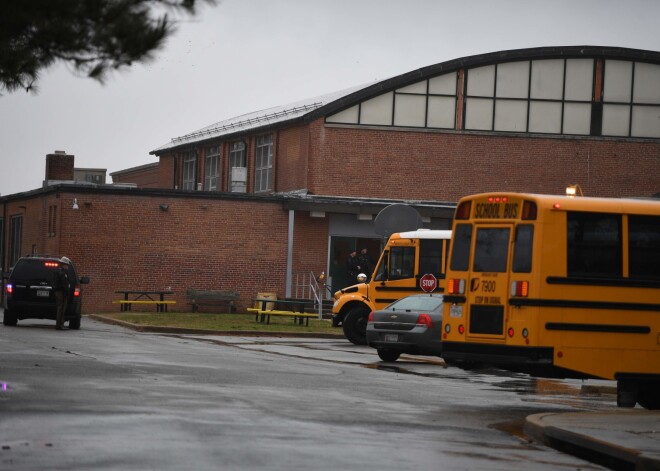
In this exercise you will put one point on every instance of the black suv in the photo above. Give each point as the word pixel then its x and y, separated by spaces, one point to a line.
pixel 29 292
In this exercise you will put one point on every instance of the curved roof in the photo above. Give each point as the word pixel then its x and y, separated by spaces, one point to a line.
pixel 316 107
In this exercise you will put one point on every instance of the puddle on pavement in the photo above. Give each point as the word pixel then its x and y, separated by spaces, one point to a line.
pixel 513 427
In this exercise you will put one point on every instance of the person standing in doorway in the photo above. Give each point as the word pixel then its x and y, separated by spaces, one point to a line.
pixel 365 263
pixel 61 294
pixel 352 267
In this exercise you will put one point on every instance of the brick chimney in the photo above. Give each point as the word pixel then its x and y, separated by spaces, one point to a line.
pixel 59 166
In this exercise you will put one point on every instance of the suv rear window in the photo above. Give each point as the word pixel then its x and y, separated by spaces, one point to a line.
pixel 37 269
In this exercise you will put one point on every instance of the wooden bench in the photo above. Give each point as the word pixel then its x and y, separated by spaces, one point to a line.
pixel 161 306
pixel 263 315
pixel 212 298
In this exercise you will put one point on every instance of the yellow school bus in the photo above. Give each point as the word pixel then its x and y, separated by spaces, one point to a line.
pixel 404 260
pixel 557 286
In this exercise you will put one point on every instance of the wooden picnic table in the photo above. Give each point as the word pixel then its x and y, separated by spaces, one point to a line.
pixel 144 297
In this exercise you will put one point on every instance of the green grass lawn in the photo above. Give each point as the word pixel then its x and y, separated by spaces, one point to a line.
pixel 223 322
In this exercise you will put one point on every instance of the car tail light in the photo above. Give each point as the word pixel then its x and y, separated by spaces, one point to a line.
pixel 9 289
pixel 76 291
pixel 456 286
pixel 370 319
pixel 425 319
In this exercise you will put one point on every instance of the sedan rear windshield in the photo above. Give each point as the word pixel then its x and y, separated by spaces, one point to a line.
pixel 417 303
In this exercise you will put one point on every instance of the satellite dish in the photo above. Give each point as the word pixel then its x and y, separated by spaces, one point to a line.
pixel 397 217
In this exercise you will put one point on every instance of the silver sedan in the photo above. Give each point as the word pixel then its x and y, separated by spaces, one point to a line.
pixel 410 325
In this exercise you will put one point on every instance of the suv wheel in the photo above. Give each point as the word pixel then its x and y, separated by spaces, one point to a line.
pixel 74 323
pixel 9 318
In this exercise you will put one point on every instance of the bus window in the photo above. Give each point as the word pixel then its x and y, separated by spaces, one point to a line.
pixel 430 257
pixel 492 250
pixel 523 248
pixel 594 245
pixel 402 262
pixel 461 247
pixel 644 247
pixel 381 271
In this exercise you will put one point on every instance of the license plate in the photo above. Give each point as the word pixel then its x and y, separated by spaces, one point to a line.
pixel 391 337
pixel 43 294
pixel 455 310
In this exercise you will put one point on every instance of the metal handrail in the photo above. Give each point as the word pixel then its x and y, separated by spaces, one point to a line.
pixel 309 285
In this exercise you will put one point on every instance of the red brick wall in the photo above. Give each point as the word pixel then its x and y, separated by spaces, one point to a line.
pixel 446 166
pixel 291 159
pixel 128 242
pixel 166 171
pixel 148 177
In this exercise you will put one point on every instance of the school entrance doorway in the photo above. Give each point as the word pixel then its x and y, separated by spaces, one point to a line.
pixel 341 248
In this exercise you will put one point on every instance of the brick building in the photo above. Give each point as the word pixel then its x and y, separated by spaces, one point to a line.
pixel 251 202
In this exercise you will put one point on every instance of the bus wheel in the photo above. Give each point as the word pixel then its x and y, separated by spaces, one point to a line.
pixel 649 394
pixel 626 393
pixel 355 325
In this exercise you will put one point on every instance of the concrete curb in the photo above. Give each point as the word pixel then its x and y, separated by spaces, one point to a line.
pixel 613 439
pixel 236 333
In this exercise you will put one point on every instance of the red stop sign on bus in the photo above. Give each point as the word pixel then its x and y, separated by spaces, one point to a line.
pixel 428 283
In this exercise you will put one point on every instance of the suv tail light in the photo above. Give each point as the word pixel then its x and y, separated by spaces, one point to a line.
pixel 370 319
pixel 76 291
pixel 9 289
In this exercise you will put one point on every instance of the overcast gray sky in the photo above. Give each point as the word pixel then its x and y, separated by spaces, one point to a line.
pixel 246 55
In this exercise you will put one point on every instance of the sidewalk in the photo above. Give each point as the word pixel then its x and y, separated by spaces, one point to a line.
pixel 620 439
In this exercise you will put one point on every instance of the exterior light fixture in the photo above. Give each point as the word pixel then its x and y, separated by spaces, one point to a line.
pixel 75 204
pixel 573 190
pixel 164 207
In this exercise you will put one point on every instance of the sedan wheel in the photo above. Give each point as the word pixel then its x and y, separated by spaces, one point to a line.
pixel 388 355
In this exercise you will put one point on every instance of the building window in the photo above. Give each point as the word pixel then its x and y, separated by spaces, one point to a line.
pixel 212 174
pixel 15 239
pixel 263 173
pixel 52 220
pixel 631 99
pixel 430 103
pixel 189 171
pixel 237 168
pixel 551 96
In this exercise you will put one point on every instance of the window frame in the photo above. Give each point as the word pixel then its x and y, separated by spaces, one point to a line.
pixel 212 167
pixel 189 177
pixel 263 163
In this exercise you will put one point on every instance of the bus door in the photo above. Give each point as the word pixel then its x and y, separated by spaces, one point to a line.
pixel 488 280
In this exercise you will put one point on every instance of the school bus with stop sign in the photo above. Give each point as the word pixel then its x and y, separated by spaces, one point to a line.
pixel 412 262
